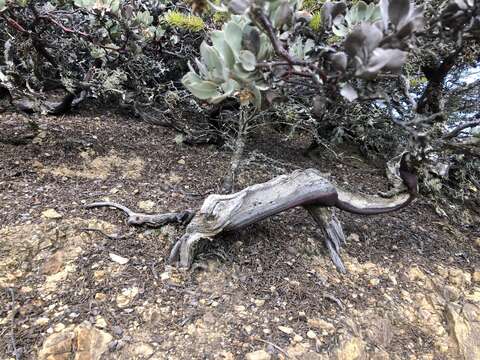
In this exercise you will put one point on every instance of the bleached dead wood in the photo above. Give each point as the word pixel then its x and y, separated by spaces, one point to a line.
pixel 307 188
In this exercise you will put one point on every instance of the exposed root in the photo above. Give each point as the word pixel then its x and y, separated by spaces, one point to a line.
pixel 152 220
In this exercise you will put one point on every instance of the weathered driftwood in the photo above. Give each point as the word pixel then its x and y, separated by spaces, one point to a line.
pixel 306 188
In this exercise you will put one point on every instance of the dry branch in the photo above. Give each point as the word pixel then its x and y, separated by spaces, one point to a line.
pixel 306 188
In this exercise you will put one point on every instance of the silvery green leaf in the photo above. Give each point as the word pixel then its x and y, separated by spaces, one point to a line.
pixel 251 39
pixel 361 10
pixel 348 92
pixel 218 39
pixel 218 7
pixel 340 30
pixel 233 36
pixel 266 48
pixel 204 73
pixel 230 86
pixel 330 10
pixel 228 56
pixel 115 6
pixel 239 6
pixel 2 5
pixel 248 60
pixel 210 56
pixel 384 5
pixel 201 89
pixel 97 52
pixel 283 15
pixel 399 11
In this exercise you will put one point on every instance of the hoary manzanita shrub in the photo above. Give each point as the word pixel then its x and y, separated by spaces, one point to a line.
pixel 266 42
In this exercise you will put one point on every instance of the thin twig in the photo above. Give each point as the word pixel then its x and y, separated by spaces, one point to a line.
pixel 111 237
pixel 12 325
pixel 274 345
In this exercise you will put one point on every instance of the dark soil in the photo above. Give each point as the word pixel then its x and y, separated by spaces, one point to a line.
pixel 275 273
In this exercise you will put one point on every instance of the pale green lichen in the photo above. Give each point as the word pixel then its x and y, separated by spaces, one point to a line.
pixel 316 21
pixel 182 21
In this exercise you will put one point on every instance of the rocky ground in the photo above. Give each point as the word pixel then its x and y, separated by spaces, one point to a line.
pixel 412 290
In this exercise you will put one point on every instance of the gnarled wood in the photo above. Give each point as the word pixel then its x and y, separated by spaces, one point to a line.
pixel 307 188
pixel 152 220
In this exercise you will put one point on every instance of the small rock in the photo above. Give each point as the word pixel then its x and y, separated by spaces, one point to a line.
pixel 258 355
pixel 209 318
pixel 259 302
pixel 164 276
pixel 82 342
pixel 143 350
pixel 147 205
pixel 476 276
pixel 320 324
pixel 181 162
pixel 99 275
pixel 126 297
pixel 53 264
pixel 59 327
pixel 51 214
pixel 118 259
pixel 477 241
pixel 100 322
pixel 415 273
pixel 117 330
pixel 311 334
pixel 297 338
pixel 351 349
pixel 100 297
pixel 248 329
pixel 353 237
pixel 42 321
pixel 286 330
pixel 374 281
pixel 464 327
pixel 302 316
pixel 239 308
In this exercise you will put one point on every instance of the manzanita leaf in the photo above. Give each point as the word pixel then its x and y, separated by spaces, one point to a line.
pixel 382 59
pixel 330 10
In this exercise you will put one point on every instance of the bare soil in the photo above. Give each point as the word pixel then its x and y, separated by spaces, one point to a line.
pixel 270 286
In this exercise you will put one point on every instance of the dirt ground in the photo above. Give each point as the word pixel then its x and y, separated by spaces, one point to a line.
pixel 412 290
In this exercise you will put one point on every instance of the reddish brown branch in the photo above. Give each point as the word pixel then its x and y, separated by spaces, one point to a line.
pixel 15 25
